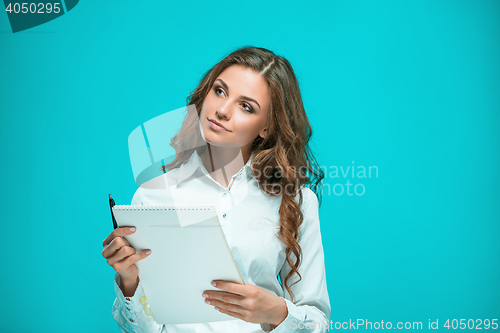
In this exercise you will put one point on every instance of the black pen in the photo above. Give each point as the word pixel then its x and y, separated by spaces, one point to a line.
pixel 111 204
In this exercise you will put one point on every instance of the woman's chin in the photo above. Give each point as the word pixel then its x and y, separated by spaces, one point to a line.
pixel 220 143
pixel 216 140
pixel 210 136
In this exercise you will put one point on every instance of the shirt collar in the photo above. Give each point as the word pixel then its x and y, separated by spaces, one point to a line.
pixel 193 163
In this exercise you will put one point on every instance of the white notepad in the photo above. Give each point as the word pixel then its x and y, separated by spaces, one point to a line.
pixel 185 258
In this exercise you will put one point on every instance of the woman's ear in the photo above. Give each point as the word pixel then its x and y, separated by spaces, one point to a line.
pixel 263 133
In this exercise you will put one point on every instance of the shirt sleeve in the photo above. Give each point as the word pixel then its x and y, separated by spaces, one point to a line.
pixel 311 310
pixel 133 314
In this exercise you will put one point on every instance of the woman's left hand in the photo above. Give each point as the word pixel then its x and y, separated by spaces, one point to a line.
pixel 247 302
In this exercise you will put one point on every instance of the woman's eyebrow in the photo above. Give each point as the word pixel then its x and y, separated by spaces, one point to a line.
pixel 244 97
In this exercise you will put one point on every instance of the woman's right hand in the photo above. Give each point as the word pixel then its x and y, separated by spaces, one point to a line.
pixel 121 256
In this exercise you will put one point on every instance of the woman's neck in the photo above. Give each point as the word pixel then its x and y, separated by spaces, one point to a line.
pixel 223 162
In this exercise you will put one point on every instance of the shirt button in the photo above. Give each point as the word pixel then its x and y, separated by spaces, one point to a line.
pixel 224 215
pixel 224 194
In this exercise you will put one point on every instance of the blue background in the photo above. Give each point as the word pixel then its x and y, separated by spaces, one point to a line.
pixel 411 87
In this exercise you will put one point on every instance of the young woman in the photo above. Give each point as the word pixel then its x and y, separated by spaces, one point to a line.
pixel 251 120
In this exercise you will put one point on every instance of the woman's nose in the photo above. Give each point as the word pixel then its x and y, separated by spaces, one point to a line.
pixel 224 111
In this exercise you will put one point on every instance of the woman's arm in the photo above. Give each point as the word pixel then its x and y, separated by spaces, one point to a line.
pixel 311 310
pixel 132 313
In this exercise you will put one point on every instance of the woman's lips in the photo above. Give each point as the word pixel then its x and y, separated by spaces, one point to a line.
pixel 216 126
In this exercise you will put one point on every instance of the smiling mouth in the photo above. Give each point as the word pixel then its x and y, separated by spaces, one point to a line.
pixel 217 126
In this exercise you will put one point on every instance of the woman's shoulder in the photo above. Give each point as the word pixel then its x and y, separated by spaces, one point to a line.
pixel 310 210
pixel 154 185
pixel 137 198
pixel 309 198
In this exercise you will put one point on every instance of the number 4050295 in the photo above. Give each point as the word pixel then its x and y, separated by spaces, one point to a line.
pixel 471 324
pixel 33 8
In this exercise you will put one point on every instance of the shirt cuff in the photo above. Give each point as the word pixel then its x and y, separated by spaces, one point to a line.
pixel 130 305
pixel 289 325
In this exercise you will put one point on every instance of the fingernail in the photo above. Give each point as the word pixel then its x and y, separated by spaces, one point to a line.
pixel 213 283
pixel 132 229
pixel 216 308
pixel 148 252
pixel 205 295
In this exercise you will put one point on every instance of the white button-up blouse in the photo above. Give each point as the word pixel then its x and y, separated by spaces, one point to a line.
pixel 250 221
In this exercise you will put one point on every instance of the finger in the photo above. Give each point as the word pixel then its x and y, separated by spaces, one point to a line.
pixel 115 245
pixel 121 254
pixel 232 287
pixel 118 232
pixel 128 261
pixel 225 297
pixel 225 305
pixel 123 239
pixel 232 314
pixel 230 309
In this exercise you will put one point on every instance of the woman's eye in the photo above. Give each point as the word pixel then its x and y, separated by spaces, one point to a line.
pixel 249 109
pixel 246 106
pixel 217 90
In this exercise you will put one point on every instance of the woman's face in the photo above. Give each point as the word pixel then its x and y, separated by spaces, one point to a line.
pixel 242 98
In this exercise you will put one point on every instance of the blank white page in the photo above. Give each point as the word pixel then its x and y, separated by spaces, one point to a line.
pixel 183 261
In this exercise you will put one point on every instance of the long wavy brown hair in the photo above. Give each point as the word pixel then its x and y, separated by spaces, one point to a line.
pixel 283 161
